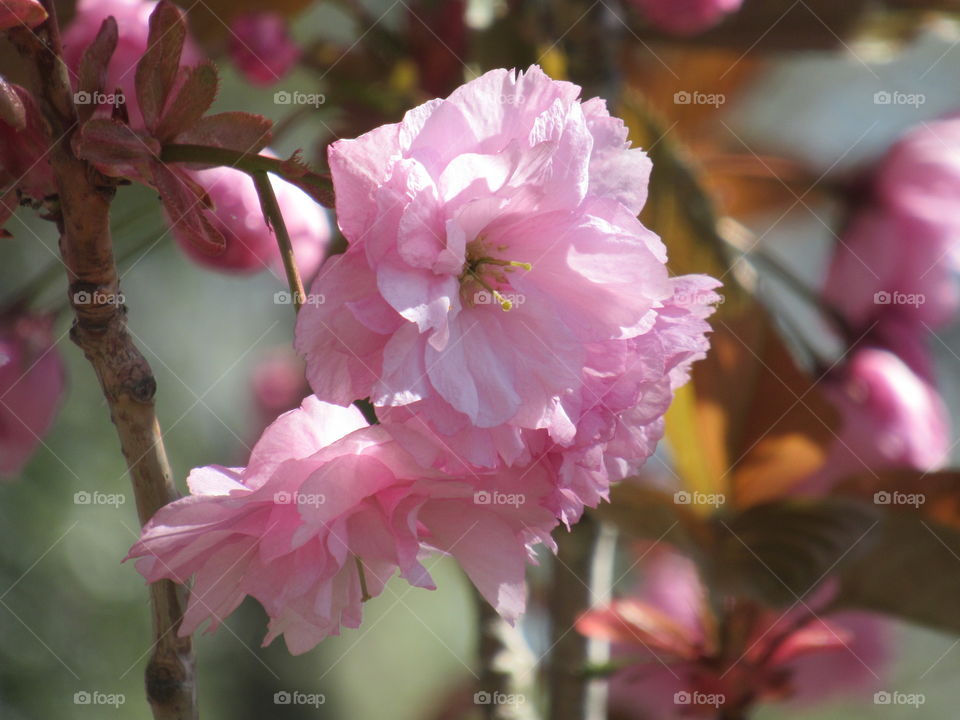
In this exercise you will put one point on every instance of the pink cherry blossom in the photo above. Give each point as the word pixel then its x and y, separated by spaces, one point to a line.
pixel 686 17
pixel 323 496
pixel 250 244
pixel 31 386
pixel 665 635
pixel 494 254
pixel 894 272
pixel 261 47
pixel 891 418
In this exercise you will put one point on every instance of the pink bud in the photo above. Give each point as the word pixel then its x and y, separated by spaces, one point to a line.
pixel 251 246
pixel 21 13
pixel 261 47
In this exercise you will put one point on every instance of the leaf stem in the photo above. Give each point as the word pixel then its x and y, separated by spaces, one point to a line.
pixel 274 217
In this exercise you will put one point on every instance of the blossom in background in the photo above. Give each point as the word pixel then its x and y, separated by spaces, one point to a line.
pixel 667 645
pixel 31 385
pixel 250 244
pixel 327 510
pixel 893 274
pixel 496 271
pixel 891 418
pixel 261 47
pixel 685 17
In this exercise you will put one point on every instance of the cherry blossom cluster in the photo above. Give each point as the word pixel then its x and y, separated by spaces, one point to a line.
pixel 515 328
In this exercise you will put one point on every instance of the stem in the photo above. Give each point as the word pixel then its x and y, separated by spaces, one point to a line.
pixel 572 693
pixel 100 331
pixel 274 217
pixel 318 186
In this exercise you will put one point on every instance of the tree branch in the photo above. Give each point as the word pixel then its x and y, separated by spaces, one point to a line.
pixel 99 330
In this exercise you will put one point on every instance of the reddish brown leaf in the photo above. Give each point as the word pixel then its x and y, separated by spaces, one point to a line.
pixel 184 202
pixel 108 142
pixel 240 131
pixel 157 69
pixel 195 96
pixel 93 66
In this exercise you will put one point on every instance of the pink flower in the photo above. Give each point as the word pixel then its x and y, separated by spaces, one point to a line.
pixel 494 253
pixel 666 635
pixel 894 273
pixel 322 496
pixel 261 47
pixel 21 13
pixel 892 418
pixel 31 385
pixel 250 244
pixel 686 17
pixel 132 18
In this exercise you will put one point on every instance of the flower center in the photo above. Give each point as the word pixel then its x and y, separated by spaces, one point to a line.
pixel 488 273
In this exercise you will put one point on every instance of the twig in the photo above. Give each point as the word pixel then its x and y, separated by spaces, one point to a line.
pixel 319 186
pixel 274 217
pixel 99 330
